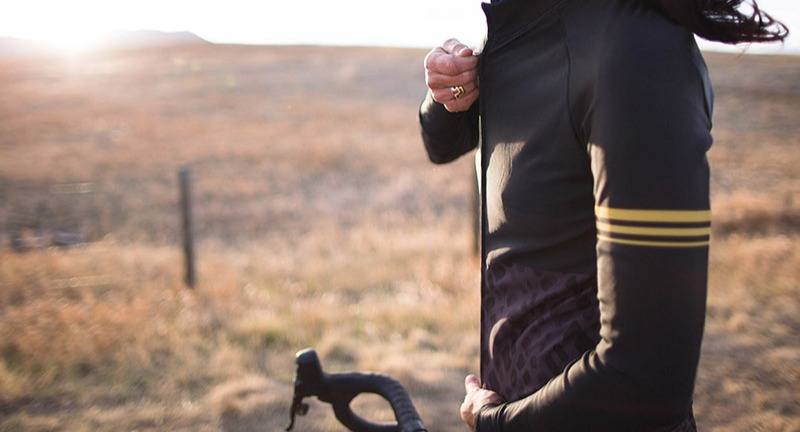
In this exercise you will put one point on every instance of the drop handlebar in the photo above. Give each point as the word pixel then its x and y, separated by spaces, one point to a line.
pixel 339 390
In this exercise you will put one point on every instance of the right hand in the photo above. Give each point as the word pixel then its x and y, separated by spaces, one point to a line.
pixel 475 399
pixel 450 65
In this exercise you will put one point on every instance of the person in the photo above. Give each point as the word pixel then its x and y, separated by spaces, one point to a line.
pixel 592 119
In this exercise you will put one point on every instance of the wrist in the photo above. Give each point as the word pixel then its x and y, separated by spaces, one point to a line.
pixel 486 419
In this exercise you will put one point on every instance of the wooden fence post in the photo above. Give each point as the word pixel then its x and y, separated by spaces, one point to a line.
pixel 185 177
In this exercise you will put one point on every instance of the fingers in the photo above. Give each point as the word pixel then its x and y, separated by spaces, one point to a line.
pixel 440 84
pixel 463 103
pixel 439 61
pixel 446 95
pixel 467 415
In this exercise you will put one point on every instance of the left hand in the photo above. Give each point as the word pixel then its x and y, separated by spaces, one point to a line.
pixel 450 66
pixel 475 399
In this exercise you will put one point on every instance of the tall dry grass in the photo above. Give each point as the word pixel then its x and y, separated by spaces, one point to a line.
pixel 135 336
pixel 318 223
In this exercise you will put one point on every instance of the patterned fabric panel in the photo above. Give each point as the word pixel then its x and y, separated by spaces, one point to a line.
pixel 534 323
pixel 687 425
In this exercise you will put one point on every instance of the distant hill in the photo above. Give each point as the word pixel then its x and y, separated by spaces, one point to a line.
pixel 13 47
pixel 137 38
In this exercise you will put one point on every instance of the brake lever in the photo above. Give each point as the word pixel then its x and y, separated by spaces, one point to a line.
pixel 308 381
pixel 297 408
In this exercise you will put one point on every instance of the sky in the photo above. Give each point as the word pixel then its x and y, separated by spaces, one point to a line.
pixel 77 24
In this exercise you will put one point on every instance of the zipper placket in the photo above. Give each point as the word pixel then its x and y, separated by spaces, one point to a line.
pixel 482 191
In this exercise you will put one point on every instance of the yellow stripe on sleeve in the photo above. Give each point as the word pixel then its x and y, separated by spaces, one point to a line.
pixel 658 232
pixel 674 216
pixel 654 228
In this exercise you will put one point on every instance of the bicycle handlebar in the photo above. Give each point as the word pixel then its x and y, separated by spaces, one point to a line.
pixel 339 390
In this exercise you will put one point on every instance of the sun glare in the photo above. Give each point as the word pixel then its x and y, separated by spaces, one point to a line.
pixel 63 27
pixel 73 41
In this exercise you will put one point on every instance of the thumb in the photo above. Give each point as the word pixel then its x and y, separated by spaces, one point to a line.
pixel 472 383
pixel 463 51
pixel 456 48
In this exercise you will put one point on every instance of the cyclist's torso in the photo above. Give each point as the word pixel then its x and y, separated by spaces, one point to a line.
pixel 539 295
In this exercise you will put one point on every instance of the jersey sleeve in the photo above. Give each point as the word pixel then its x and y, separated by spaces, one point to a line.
pixel 648 130
pixel 446 135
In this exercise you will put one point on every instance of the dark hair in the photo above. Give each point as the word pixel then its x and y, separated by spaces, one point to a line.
pixel 723 21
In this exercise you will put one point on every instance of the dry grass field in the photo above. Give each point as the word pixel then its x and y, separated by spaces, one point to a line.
pixel 318 222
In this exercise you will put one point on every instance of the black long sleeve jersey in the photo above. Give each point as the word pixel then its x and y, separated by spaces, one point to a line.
pixel 594 121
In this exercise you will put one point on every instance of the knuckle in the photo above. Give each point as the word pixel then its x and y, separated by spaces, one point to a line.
pixel 430 60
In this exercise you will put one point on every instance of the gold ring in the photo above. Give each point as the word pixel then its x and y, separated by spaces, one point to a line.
pixel 458 91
